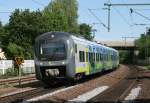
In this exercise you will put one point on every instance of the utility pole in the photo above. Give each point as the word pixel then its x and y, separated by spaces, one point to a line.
pixel 135 52
pixel 125 39
pixel 109 5
pixel 108 18
pixel 146 46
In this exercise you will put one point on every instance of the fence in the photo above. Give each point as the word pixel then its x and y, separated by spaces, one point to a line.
pixel 28 66
pixel 143 62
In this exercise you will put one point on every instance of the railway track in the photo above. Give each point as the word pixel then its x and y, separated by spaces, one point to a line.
pixel 115 94
pixel 121 90
pixel 28 94
pixel 16 80
pixel 134 83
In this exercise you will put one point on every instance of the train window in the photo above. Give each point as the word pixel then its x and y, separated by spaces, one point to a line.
pixel 90 57
pixel 101 57
pixel 53 51
pixel 87 56
pixel 108 57
pixel 76 48
pixel 82 56
pixel 97 57
pixel 104 57
pixel 94 57
pixel 111 57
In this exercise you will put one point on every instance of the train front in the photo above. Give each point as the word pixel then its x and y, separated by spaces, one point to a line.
pixel 53 56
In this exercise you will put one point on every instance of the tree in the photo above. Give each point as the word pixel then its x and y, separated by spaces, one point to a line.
pixel 24 27
pixel 143 44
pixel 67 11
pixel 85 31
pixel 2 31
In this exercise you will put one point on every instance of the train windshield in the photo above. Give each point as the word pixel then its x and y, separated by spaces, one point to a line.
pixel 53 51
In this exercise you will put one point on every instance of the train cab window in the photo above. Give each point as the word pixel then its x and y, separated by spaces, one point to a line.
pixel 87 57
pixel 53 51
pixel 82 56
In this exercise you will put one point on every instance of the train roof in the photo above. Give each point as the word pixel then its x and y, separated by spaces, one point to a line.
pixel 84 41
pixel 80 39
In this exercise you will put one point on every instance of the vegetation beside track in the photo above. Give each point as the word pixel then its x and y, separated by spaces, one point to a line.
pixel 18 35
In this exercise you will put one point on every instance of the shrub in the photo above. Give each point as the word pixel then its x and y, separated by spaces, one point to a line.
pixel 148 67
pixel 11 72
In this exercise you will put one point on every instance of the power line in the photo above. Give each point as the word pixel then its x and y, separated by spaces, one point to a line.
pixel 109 6
pixel 97 18
pixel 124 19
pixel 142 9
pixel 5 12
pixel 131 10
pixel 105 4
pixel 122 16
pixel 39 3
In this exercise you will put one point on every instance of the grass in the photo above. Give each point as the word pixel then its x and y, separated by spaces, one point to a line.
pixel 11 72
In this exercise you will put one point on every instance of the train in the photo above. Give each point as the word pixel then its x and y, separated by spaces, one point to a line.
pixel 61 56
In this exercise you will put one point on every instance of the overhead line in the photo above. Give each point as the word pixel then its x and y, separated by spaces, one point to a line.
pixel 5 12
pixel 97 18
pixel 139 14
pixel 37 2
pixel 122 17
pixel 105 4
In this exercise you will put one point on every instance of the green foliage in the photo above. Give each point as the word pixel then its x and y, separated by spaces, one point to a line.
pixel 85 30
pixel 143 44
pixel 11 72
pixel 14 50
pixel 148 67
pixel 125 57
pixel 24 26
pixel 67 11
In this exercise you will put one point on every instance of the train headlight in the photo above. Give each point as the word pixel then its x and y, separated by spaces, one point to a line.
pixel 63 62
pixel 52 36
pixel 41 63
pixel 67 41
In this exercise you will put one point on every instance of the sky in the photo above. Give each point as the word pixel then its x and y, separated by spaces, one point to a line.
pixel 122 22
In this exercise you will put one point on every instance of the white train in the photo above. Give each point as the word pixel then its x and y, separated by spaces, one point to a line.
pixel 60 55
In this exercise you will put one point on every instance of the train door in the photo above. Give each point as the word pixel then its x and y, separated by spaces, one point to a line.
pixel 80 59
pixel 92 57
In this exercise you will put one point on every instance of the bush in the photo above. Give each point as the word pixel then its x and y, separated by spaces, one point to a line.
pixel 11 72
pixel 148 67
